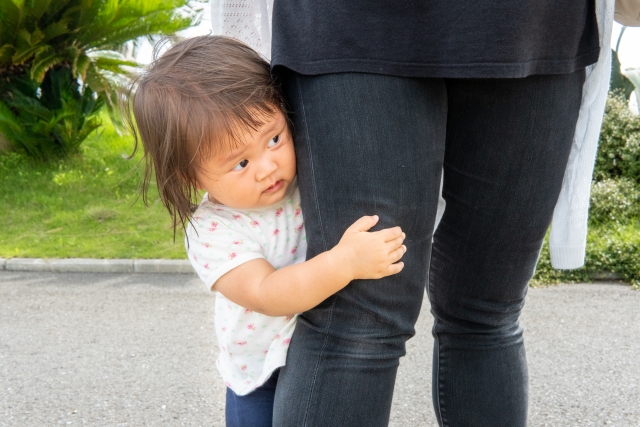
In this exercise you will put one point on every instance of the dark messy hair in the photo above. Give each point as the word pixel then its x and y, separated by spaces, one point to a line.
pixel 192 103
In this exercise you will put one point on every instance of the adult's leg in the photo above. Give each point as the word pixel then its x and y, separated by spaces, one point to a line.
pixel 507 146
pixel 366 144
pixel 254 409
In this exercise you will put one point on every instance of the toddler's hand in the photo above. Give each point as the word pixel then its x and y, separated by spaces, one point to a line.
pixel 371 255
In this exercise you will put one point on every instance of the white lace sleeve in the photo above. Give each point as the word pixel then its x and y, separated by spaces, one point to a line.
pixel 246 20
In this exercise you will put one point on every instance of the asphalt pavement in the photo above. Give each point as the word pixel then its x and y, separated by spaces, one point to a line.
pixel 139 350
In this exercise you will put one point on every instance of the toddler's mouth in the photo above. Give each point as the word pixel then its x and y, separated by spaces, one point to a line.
pixel 275 187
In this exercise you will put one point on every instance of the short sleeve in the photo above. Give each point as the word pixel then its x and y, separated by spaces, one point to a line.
pixel 215 248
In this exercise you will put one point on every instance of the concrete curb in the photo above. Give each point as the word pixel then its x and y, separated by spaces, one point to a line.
pixel 89 265
pixel 607 276
pixel 148 266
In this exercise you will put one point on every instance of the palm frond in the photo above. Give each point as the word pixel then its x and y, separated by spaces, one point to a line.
pixel 9 124
pixel 43 61
pixel 6 52
pixel 81 66
pixel 10 20
pixel 56 29
pixel 60 63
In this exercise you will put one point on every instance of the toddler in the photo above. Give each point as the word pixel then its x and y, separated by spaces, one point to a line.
pixel 211 118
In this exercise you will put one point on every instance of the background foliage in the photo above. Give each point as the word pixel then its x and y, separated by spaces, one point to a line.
pixel 60 66
pixel 60 63
pixel 85 205
pixel 614 214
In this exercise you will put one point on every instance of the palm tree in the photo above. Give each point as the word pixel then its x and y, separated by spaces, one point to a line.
pixel 60 63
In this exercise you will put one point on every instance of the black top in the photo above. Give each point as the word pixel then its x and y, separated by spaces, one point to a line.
pixel 435 38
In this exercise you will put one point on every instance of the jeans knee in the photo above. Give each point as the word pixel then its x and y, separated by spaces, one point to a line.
pixel 477 316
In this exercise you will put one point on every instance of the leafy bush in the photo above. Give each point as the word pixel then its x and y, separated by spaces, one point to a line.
pixel 619 146
pixel 60 62
pixel 610 248
pixel 55 122
pixel 615 201
pixel 613 243
pixel 616 248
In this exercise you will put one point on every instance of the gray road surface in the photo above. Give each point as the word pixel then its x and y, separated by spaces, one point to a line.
pixel 135 350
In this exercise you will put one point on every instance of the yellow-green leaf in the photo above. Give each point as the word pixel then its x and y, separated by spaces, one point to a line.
pixel 44 60
pixel 81 65
pixel 6 52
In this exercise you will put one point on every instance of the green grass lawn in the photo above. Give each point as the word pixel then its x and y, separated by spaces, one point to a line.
pixel 83 206
pixel 89 206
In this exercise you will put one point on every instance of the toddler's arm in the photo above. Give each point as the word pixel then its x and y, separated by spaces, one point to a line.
pixel 360 254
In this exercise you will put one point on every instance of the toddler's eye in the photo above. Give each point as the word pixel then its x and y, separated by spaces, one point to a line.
pixel 273 141
pixel 243 164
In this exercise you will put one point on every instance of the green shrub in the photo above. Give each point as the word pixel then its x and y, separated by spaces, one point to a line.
pixel 619 145
pixel 613 243
pixel 610 248
pixel 60 61
pixel 616 248
pixel 545 274
pixel 56 121
pixel 614 201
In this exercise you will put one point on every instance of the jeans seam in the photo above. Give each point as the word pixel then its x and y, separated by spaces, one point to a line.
pixel 437 405
pixel 438 388
pixel 324 241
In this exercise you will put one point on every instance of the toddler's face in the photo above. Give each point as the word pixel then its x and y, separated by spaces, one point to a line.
pixel 254 174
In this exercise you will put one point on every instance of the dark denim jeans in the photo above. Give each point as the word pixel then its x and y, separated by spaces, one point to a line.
pixel 373 144
pixel 254 409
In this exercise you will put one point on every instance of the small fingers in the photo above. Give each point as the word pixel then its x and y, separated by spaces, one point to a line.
pixel 397 254
pixel 394 268
pixel 392 245
pixel 389 234
pixel 363 224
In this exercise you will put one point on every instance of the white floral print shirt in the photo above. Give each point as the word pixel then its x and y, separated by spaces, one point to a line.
pixel 219 239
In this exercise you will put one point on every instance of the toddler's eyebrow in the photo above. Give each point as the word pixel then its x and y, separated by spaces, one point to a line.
pixel 232 156
pixel 270 128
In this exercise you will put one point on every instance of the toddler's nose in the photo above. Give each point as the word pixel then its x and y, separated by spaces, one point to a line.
pixel 267 167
